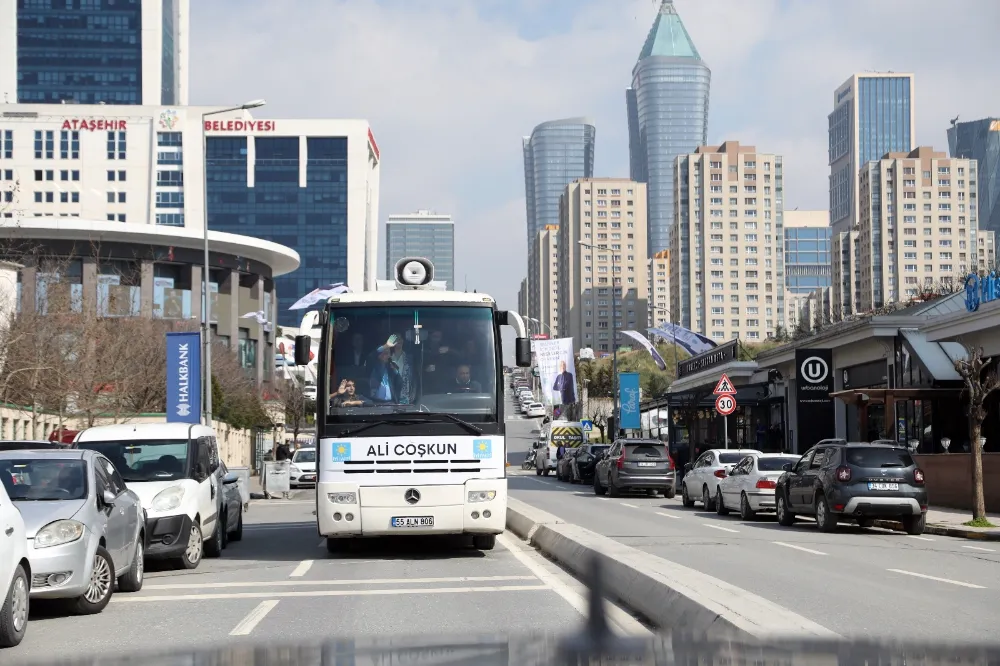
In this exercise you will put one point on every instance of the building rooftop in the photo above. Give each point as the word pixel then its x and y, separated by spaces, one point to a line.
pixel 668 37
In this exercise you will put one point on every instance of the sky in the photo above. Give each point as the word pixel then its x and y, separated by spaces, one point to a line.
pixel 451 86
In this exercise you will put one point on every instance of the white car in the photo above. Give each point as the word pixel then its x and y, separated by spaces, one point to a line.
pixel 309 392
pixel 303 468
pixel 174 469
pixel 702 477
pixel 14 569
pixel 749 487
pixel 535 409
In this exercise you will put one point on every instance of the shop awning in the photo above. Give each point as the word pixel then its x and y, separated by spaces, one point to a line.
pixel 878 395
pixel 938 357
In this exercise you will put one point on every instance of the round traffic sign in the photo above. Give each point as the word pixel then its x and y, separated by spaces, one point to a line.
pixel 725 405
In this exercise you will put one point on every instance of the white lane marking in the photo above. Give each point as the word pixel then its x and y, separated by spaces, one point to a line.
pixel 621 620
pixel 717 527
pixel 122 599
pixel 792 545
pixel 940 580
pixel 343 581
pixel 631 506
pixel 301 570
pixel 248 623
pixel 985 550
pixel 604 499
pixel 919 538
pixel 667 515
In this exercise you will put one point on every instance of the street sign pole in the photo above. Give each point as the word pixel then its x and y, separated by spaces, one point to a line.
pixel 725 388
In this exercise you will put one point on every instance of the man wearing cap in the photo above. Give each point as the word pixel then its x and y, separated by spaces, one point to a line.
pixel 385 380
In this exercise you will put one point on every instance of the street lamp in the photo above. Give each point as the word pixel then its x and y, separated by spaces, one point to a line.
pixel 206 328
pixel 614 334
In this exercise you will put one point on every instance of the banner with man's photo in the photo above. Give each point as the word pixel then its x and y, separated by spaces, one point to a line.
pixel 556 370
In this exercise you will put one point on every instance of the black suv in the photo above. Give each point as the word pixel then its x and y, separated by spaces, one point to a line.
pixel 839 481
pixel 635 464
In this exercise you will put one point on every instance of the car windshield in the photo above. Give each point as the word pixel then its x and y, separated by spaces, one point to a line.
pixel 145 459
pixel 406 359
pixel 37 479
pixel 304 456
pixel 775 464
pixel 878 456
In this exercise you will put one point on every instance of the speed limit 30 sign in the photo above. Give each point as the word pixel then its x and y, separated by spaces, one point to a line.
pixel 725 405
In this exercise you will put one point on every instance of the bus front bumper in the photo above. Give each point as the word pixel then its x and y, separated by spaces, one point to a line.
pixel 478 506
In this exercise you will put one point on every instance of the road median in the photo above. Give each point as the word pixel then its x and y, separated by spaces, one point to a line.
pixel 671 596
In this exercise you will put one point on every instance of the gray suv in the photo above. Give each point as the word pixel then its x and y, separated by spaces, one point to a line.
pixel 635 464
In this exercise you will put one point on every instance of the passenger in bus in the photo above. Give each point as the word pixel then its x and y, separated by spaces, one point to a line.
pixel 438 363
pixel 347 396
pixel 401 359
pixel 385 382
pixel 464 383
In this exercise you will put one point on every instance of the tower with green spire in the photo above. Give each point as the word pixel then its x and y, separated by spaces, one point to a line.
pixel 667 116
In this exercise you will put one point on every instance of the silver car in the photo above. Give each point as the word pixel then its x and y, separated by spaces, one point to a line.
pixel 84 527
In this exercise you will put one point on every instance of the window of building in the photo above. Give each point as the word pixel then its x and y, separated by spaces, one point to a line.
pixel 116 145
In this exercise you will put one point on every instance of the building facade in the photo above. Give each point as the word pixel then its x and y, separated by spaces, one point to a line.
pixel 667 108
pixel 608 215
pixel 557 153
pixel 873 115
pixel 311 185
pixel 979 140
pixel 658 284
pixel 96 51
pixel 728 273
pixel 807 267
pixel 917 220
pixel 543 280
pixel 422 234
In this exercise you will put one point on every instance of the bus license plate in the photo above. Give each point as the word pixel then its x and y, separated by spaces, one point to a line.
pixel 413 521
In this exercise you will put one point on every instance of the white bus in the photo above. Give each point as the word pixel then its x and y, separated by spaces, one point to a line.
pixel 410 411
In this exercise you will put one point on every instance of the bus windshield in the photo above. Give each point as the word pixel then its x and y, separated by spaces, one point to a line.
pixel 412 358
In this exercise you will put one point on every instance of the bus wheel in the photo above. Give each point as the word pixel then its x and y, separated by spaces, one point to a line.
pixel 484 541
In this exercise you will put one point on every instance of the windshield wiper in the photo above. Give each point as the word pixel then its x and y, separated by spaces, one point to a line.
pixel 424 418
pixel 435 416
pixel 371 424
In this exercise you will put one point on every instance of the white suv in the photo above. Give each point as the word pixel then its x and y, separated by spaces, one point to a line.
pixel 14 572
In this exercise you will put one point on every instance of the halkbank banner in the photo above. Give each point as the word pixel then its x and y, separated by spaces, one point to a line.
pixel 184 377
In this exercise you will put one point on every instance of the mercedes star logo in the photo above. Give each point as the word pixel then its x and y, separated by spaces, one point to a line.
pixel 412 496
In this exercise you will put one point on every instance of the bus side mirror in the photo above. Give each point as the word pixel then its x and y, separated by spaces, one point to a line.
pixel 522 352
pixel 303 347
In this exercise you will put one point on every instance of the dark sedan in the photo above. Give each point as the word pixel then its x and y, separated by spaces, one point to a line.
pixel 581 467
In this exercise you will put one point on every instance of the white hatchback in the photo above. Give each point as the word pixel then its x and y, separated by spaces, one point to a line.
pixel 535 409
pixel 303 468
pixel 13 572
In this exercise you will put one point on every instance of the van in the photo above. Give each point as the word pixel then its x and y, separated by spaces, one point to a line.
pixel 174 469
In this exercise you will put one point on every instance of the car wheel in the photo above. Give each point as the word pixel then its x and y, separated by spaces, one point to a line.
pixel 914 525
pixel 746 513
pixel 613 490
pixel 685 498
pixel 131 580
pixel 785 517
pixel 598 488
pixel 237 535
pixel 100 587
pixel 825 520
pixel 14 612
pixel 484 541
pixel 720 505
pixel 706 499
pixel 215 544
pixel 195 549
pixel 669 493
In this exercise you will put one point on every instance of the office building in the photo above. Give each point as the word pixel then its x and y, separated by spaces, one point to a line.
pixel 658 293
pixel 608 214
pixel 807 267
pixel 667 108
pixel 422 234
pixel 916 232
pixel 979 140
pixel 727 273
pixel 522 298
pixel 986 243
pixel 543 280
pixel 557 153
pixel 310 185
pixel 873 115
pixel 95 52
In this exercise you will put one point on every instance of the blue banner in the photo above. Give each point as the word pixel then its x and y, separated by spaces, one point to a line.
pixel 628 398
pixel 184 377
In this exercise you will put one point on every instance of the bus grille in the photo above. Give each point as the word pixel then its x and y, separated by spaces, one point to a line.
pixel 403 466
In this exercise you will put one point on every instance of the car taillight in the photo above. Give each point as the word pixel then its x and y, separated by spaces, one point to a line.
pixel 843 473
pixel 621 461
pixel 766 483
pixel 918 475
pixel 721 473
pixel 670 460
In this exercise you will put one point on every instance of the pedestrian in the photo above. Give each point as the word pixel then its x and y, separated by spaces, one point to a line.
pixel 284 454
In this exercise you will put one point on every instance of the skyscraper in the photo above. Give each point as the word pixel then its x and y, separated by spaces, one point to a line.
pixel 873 115
pixel 980 140
pixel 99 51
pixel 667 116
pixel 422 234
pixel 557 153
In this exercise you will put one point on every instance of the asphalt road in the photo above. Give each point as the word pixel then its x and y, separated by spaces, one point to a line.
pixel 856 582
pixel 280 584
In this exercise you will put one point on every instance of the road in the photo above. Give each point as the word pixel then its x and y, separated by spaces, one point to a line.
pixel 855 582
pixel 280 584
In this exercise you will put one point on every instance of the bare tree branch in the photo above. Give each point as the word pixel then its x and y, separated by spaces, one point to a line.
pixel 978 387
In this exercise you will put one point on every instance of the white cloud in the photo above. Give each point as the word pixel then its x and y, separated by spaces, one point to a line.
pixel 450 91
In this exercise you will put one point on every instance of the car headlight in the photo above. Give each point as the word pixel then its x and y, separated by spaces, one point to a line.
pixel 343 498
pixel 295 468
pixel 482 495
pixel 57 533
pixel 168 499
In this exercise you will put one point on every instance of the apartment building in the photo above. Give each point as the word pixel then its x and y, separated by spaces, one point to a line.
pixel 658 296
pixel 918 216
pixel 807 267
pixel 727 260
pixel 986 243
pixel 543 280
pixel 602 261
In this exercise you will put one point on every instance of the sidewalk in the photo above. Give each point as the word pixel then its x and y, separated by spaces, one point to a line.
pixel 948 522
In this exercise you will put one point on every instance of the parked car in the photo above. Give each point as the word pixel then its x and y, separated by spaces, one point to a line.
pixel 14 570
pixel 232 500
pixel 581 466
pixel 84 528
pixel 749 487
pixel 702 477
pixel 303 468
pixel 30 445
pixel 535 410
pixel 635 464
pixel 837 481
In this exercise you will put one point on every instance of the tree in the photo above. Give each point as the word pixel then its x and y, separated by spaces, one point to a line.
pixel 598 412
pixel 978 386
pixel 297 408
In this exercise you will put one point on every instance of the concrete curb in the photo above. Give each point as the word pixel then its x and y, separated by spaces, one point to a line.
pixel 672 596
pixel 944 530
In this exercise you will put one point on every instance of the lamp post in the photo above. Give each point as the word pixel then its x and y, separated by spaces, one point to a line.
pixel 614 334
pixel 206 327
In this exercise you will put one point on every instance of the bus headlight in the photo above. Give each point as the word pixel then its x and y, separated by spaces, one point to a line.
pixel 482 495
pixel 343 498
